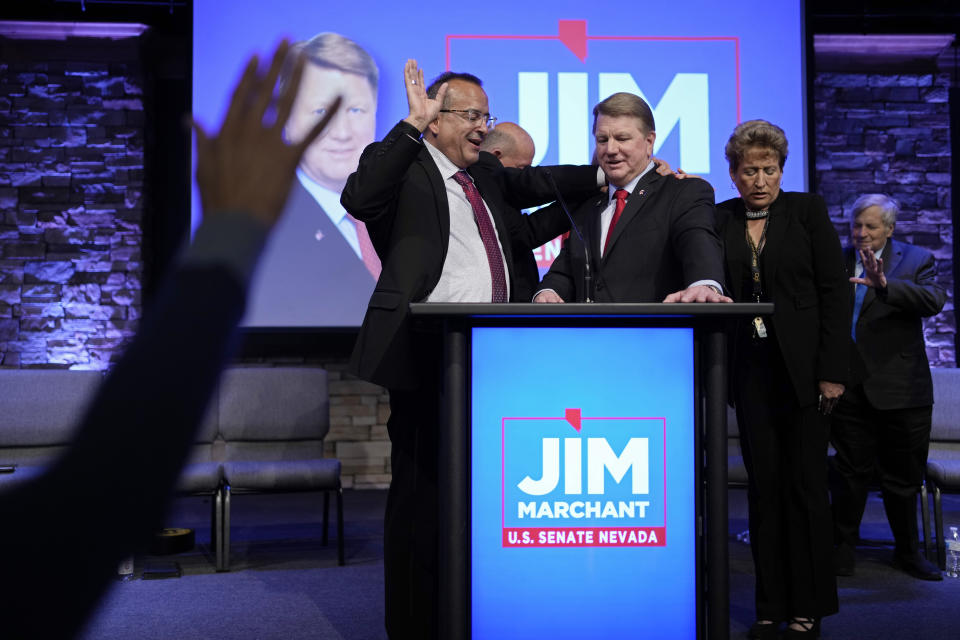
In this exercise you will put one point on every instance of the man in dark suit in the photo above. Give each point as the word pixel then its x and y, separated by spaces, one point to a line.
pixel 319 266
pixel 512 146
pixel 441 231
pixel 883 423
pixel 651 237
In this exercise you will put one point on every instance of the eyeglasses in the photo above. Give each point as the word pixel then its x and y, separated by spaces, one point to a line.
pixel 472 116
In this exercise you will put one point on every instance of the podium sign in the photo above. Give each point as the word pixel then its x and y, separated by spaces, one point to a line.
pixel 583 456
pixel 583 469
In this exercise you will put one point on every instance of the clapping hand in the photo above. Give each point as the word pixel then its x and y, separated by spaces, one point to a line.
pixel 248 166
pixel 872 271
pixel 423 109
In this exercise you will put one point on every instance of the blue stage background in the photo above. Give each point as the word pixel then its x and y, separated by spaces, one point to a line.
pixel 694 63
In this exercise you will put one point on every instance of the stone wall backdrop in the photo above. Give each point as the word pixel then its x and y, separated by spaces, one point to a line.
pixel 885 132
pixel 71 182
pixel 358 429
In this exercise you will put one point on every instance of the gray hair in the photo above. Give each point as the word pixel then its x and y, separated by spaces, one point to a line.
pixel 889 208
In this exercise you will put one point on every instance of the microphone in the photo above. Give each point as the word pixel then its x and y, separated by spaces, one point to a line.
pixel 588 269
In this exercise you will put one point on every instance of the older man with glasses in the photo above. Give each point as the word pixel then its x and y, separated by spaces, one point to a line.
pixel 443 234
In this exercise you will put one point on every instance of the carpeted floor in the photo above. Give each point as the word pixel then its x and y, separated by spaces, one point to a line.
pixel 284 584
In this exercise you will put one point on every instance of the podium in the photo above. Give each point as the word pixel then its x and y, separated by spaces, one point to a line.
pixel 583 469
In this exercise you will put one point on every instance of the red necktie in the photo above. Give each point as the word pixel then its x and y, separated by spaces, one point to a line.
pixel 487 234
pixel 367 252
pixel 621 196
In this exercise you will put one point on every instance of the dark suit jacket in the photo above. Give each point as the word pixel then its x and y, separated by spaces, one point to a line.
pixel 309 275
pixel 399 192
pixel 526 275
pixel 890 330
pixel 664 240
pixel 803 276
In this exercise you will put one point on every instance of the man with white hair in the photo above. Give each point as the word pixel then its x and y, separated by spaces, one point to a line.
pixel 883 423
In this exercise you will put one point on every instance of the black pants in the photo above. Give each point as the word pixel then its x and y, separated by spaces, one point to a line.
pixel 410 542
pixel 893 442
pixel 784 449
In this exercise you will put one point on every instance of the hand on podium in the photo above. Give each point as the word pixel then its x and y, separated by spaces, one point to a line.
pixel 699 293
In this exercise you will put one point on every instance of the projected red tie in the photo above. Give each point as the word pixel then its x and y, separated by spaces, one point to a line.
pixel 621 196
pixel 487 234
pixel 367 252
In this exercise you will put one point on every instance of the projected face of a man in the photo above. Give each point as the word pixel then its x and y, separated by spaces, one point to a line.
pixel 334 155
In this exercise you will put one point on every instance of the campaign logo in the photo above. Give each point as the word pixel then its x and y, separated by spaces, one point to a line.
pixel 549 83
pixel 579 481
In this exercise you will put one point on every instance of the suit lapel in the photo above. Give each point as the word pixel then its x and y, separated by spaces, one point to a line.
pixel 777 233
pixel 850 262
pixel 494 200
pixel 642 193
pixel 593 226
pixel 439 196
pixel 892 255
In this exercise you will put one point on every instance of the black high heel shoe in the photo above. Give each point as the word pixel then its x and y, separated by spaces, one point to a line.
pixel 810 628
pixel 765 630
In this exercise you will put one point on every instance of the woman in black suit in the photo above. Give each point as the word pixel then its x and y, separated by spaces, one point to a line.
pixel 787 373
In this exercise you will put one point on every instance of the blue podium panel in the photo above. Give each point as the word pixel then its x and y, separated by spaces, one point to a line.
pixel 583 487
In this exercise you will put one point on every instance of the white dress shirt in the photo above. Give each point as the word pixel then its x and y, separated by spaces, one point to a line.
pixel 466 273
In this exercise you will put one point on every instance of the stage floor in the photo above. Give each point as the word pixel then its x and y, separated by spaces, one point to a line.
pixel 284 584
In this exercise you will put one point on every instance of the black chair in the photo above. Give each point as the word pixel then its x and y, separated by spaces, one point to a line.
pixel 273 422
pixel 943 461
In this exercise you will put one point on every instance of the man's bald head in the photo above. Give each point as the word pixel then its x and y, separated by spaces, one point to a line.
pixel 511 144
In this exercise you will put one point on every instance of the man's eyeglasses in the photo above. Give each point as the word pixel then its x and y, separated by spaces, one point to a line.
pixel 472 116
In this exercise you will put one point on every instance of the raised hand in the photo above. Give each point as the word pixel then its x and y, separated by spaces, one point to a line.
pixel 248 166
pixel 872 271
pixel 423 109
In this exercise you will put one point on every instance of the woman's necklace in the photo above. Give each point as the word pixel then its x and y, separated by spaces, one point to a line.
pixel 759 329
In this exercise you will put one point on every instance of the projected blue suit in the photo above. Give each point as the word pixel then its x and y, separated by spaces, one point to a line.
pixel 309 274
